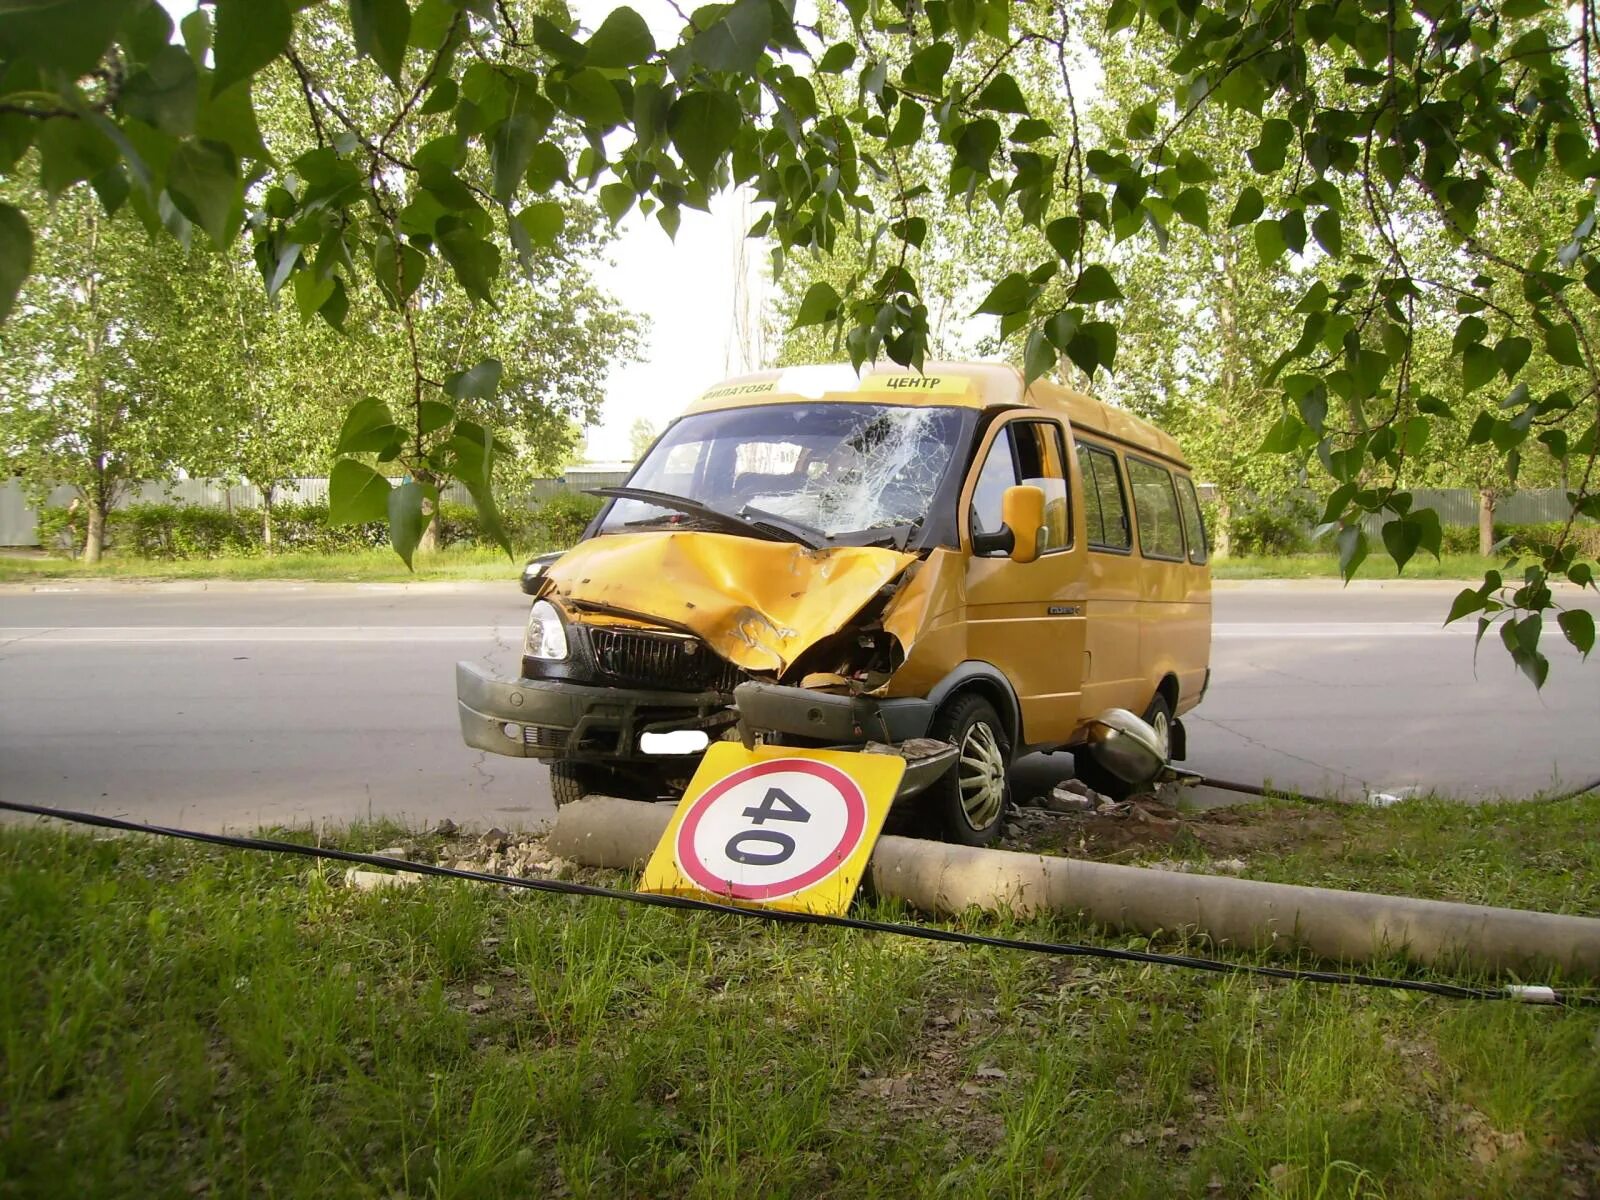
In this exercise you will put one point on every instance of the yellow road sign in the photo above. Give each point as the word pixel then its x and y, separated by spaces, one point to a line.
pixel 776 827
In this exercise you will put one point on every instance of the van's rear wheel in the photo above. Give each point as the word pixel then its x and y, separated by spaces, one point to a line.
pixel 1159 717
pixel 969 802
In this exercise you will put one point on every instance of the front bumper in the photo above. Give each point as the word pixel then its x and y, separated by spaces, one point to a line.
pixel 550 718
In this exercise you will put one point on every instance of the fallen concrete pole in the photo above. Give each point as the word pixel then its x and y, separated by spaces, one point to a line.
pixel 1345 926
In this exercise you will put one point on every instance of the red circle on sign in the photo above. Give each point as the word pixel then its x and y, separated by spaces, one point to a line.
pixel 855 824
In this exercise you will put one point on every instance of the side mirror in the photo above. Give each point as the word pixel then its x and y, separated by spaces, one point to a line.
pixel 1022 510
pixel 1022 530
pixel 533 573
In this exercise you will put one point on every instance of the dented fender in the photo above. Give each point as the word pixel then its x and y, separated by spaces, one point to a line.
pixel 759 604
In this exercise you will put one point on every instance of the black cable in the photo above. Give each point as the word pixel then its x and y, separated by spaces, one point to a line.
pixel 1251 789
pixel 1538 995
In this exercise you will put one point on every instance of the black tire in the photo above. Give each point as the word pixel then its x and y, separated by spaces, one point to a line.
pixel 1159 716
pixel 970 723
pixel 573 779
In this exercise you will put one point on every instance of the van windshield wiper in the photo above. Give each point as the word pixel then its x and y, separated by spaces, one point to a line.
pixel 770 528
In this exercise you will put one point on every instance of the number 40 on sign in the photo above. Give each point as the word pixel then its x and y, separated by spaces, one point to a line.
pixel 776 827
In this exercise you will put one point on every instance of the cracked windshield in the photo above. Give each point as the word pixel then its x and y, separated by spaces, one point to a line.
pixel 837 468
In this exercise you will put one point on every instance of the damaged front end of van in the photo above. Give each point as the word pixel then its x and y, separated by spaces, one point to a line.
pixel 757 579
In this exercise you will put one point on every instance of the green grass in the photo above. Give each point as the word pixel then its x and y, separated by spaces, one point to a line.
pixel 1377 566
pixel 178 1020
pixel 365 566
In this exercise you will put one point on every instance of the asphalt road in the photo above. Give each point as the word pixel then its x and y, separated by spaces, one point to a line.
pixel 252 704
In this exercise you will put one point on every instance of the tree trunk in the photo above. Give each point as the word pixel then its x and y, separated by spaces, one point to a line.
pixel 266 518
pixel 1486 499
pixel 95 540
pixel 429 541
pixel 1221 540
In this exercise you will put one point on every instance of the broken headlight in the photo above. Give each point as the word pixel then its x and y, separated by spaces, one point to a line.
pixel 546 636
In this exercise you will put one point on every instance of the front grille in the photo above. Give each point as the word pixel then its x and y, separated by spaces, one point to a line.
pixel 668 661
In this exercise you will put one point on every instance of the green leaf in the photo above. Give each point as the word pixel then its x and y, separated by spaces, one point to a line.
pixel 590 96
pixel 544 220
pixel 907 126
pixel 368 427
pixel 623 40
pixel 433 415
pixel 1352 542
pixel 1247 208
pixel 311 292
pixel 250 34
pixel 1467 601
pixel 838 59
pixel 616 199
pixel 16 256
pixel 1012 294
pixel 475 261
pixel 1284 436
pixel 736 40
pixel 356 494
pixel 511 150
pixel 1477 366
pixel 406 521
pixel 1270 243
pixel 1511 353
pixel 164 93
pixel 442 99
pixel 1327 231
pixel 1191 205
pixel 928 68
pixel 229 117
pixel 702 126
pixel 821 304
pixel 203 179
pixel 1562 342
pixel 1093 346
pixel 1003 95
pixel 71 152
pixel 1041 357
pixel 476 383
pixel 1094 285
pixel 1578 625
pixel 399 268
pixel 381 29
pixel 1401 539
pixel 976 143
pixel 1065 235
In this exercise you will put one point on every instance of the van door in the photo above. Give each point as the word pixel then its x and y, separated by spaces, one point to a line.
pixel 1027 618
pixel 1111 575
pixel 1175 619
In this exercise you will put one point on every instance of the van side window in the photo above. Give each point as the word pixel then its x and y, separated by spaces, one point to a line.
pixel 1106 515
pixel 1031 453
pixel 1155 505
pixel 1042 463
pixel 1193 525
pixel 999 472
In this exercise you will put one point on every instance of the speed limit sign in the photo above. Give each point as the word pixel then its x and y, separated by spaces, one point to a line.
pixel 785 828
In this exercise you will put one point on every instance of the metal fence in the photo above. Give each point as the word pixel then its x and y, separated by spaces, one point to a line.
pixel 19 521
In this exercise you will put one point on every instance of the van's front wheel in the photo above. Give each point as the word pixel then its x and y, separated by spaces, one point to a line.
pixel 969 802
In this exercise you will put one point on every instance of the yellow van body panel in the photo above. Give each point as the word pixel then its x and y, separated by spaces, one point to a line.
pixel 758 604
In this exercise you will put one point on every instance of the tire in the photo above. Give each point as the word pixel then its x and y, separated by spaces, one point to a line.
pixel 1159 717
pixel 968 805
pixel 572 779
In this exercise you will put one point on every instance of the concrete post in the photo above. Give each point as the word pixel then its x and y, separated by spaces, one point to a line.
pixel 1345 926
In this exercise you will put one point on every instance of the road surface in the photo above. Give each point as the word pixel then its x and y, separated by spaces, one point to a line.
pixel 257 704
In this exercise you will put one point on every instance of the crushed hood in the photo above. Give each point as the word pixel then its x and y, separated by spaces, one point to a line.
pixel 758 604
